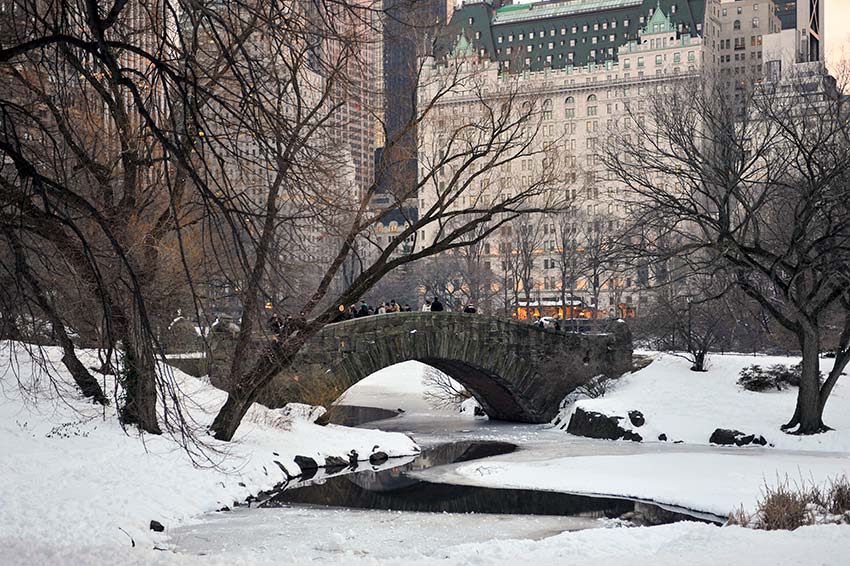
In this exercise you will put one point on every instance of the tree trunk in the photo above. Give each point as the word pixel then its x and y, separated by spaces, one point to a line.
pixel 809 412
pixel 81 376
pixel 276 357
pixel 138 377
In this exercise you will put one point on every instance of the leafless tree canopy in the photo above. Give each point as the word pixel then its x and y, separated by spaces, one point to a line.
pixel 157 153
pixel 753 192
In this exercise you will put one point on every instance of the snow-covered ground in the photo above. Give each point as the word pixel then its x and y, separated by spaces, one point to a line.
pixel 688 405
pixel 71 478
pixel 72 484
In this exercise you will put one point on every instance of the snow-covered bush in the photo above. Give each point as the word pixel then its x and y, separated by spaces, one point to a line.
pixel 596 387
pixel 756 378
pixel 777 376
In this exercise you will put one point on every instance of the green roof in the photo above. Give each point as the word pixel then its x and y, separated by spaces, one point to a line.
pixel 513 7
pixel 520 12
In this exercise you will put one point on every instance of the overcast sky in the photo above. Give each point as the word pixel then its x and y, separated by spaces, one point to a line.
pixel 837 27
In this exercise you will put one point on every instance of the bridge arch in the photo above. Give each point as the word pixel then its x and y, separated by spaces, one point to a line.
pixel 516 371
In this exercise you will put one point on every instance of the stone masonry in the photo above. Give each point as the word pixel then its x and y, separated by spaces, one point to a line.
pixel 518 372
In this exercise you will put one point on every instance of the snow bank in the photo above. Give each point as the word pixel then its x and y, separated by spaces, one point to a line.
pixel 73 480
pixel 691 544
pixel 689 406
pixel 718 481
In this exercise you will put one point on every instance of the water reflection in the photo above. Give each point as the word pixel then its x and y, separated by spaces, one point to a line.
pixel 393 489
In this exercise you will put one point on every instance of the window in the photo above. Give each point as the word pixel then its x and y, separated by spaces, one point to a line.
pixel 640 62
pixel 627 63
pixel 755 23
pixel 677 57
pixel 736 25
pixel 547 108
pixel 658 59
pixel 691 57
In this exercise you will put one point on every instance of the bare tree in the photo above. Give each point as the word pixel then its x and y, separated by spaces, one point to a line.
pixel 159 151
pixel 757 190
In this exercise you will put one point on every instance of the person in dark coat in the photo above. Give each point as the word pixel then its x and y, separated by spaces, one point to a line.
pixel 275 323
pixel 364 310
pixel 470 309
pixel 436 305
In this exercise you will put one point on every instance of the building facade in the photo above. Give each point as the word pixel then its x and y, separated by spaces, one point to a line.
pixel 590 66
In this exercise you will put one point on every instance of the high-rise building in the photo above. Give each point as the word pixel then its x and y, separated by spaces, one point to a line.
pixel 588 65
pixel 409 29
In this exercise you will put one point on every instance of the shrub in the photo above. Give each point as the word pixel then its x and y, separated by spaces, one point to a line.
pixel 838 495
pixel 755 378
pixel 783 508
pixel 596 387
pixel 777 376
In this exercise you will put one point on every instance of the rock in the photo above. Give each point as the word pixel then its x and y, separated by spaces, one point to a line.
pixel 156 526
pixel 378 458
pixel 662 437
pixel 728 437
pixel 596 425
pixel 308 466
pixel 335 464
pixel 637 419
pixel 478 412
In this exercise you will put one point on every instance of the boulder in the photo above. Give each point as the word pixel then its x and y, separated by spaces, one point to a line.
pixel 378 458
pixel 335 464
pixel 156 526
pixel 308 466
pixel 591 424
pixel 637 418
pixel 728 437
pixel 662 437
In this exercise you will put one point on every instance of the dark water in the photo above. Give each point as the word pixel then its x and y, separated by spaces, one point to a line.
pixel 394 489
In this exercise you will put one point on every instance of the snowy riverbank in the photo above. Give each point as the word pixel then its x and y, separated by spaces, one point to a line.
pixel 71 479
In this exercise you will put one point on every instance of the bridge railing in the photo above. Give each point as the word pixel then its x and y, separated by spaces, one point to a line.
pixel 568 326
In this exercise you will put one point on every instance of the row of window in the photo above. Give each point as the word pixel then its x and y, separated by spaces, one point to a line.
pixel 509 38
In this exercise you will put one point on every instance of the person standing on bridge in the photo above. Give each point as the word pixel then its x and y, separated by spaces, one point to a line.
pixel 364 310
pixel 469 309
pixel 436 305
pixel 427 306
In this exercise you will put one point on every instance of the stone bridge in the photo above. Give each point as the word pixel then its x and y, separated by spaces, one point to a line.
pixel 516 371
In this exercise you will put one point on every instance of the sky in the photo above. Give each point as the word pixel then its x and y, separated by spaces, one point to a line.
pixel 837 28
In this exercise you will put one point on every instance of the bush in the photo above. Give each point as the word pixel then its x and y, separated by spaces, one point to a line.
pixel 596 387
pixel 783 508
pixel 755 378
pixel 838 496
pixel 777 376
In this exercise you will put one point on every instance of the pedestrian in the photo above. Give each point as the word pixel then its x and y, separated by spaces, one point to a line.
pixel 469 309
pixel 427 306
pixel 382 309
pixel 436 305
pixel 406 308
pixel 275 323
pixel 394 306
pixel 364 310
pixel 352 311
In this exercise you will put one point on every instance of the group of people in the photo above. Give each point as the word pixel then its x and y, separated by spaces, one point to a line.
pixel 284 326
pixel 366 310
pixel 436 306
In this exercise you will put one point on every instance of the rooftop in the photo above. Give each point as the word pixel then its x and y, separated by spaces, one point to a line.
pixel 522 12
